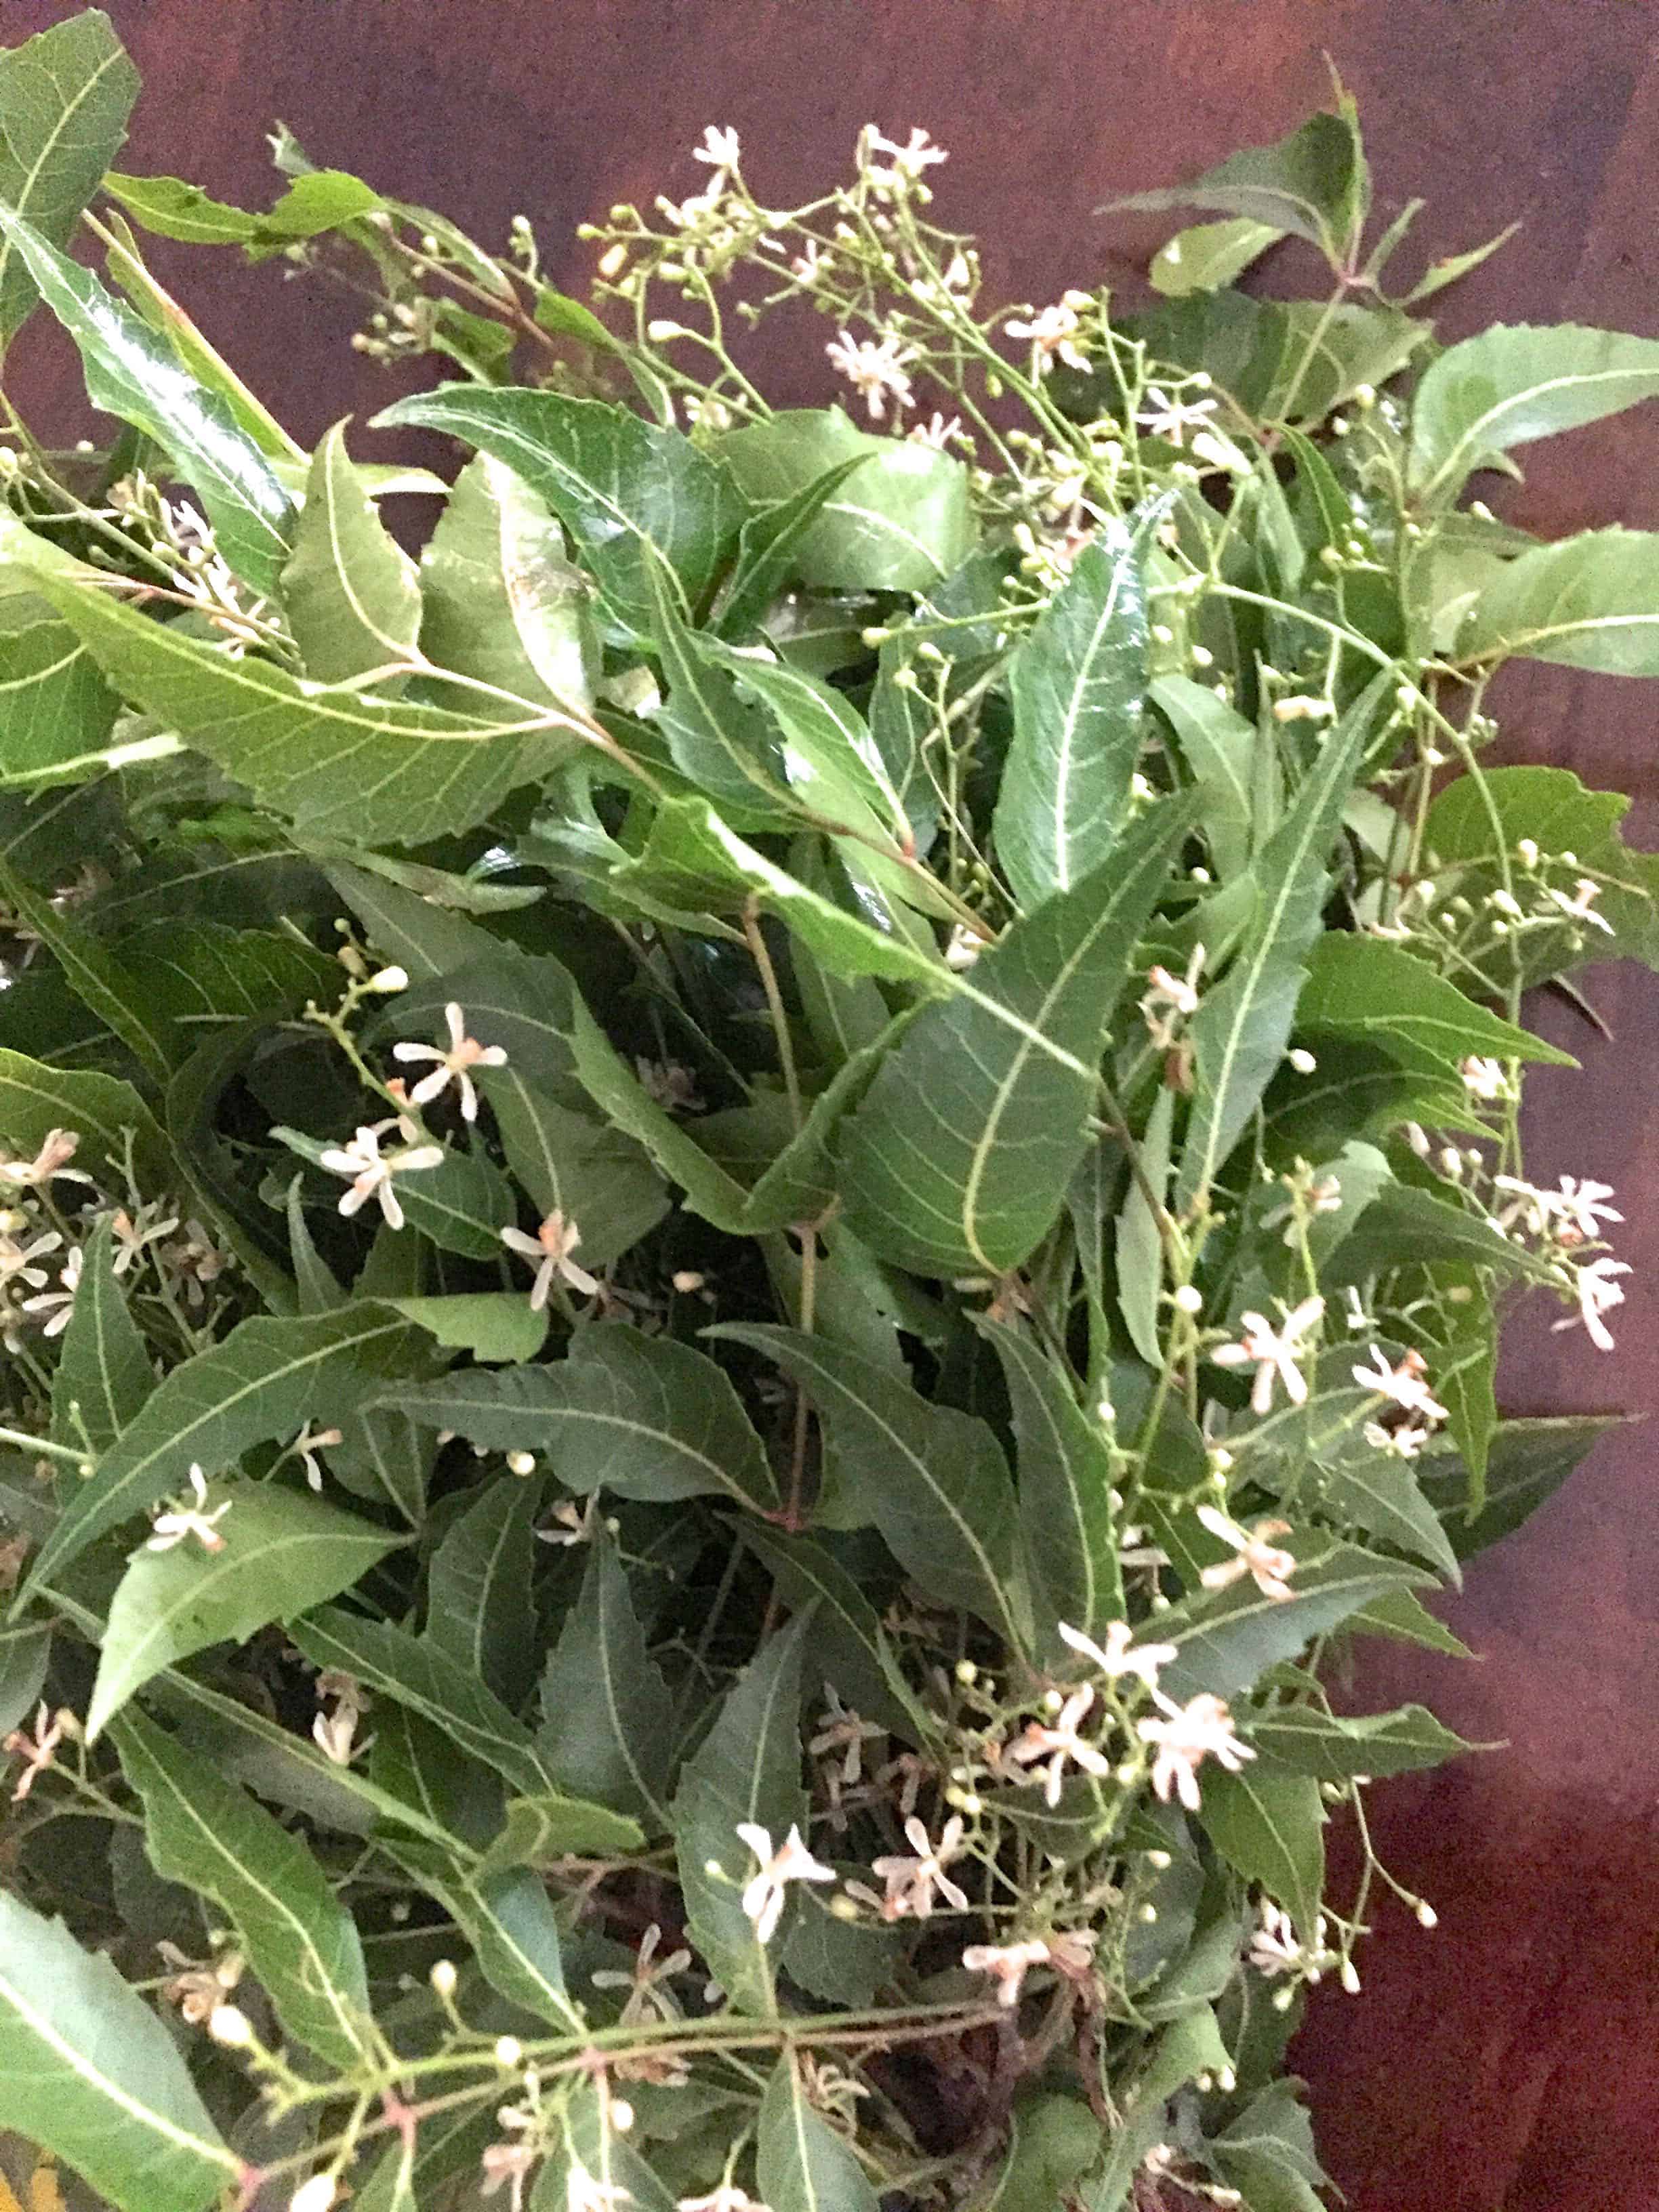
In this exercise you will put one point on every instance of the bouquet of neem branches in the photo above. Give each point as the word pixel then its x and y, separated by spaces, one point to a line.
pixel 741 1219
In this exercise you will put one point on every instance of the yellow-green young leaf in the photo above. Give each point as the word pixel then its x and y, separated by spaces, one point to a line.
pixel 56 710
pixel 1078 682
pixel 104 1375
pixel 413 1672
pixel 340 762
pixel 100 1110
pixel 1314 183
pixel 131 372
pixel 1065 1478
pixel 479 1607
pixel 900 520
pixel 800 2161
pixel 508 1921
pixel 281 1552
pixel 641 1416
pixel 321 200
pixel 88 2071
pixel 606 1726
pixel 1224 1639
pixel 1365 988
pixel 624 489
pixel 1587 602
pixel 1243 1025
pixel 1270 1829
pixel 747 1769
pixel 1512 384
pixel 1209 255
pixel 265 1380
pixel 203 1831
pixel 502 603
pixel 351 593
pixel 931 1478
pixel 958 1159
pixel 541 1832
pixel 65 98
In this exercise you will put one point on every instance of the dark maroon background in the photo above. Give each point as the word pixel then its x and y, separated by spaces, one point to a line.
pixel 1511 2059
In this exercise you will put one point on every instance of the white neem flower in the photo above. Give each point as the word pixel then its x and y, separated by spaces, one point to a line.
pixel 1201 1729
pixel 718 148
pixel 1483 1078
pixel 910 1882
pixel 728 2197
pixel 908 160
pixel 1596 1293
pixel 1052 333
pixel 1405 1385
pixel 764 1893
pixel 1272 1353
pixel 1120 1656
pixel 1007 1964
pixel 50 1163
pixel 1171 419
pixel 60 1304
pixel 131 1235
pixel 585 2193
pixel 1275 1947
pixel 550 1247
pixel 1268 1567
pixel 371 1172
pixel 876 372
pixel 464 1054
pixel 1404 1442
pixel 37 1753
pixel 1038 1742
pixel 177 1521
pixel 15 1260
pixel 1579 907
pixel 938 431
pixel 1171 999
pixel 1579 1204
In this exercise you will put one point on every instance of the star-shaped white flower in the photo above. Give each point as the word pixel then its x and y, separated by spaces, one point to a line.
pixel 908 160
pixel 1267 1566
pixel 876 372
pixel 764 1893
pixel 1121 1654
pixel 910 1882
pixel 550 1248
pixel 1596 1293
pixel 1580 907
pixel 1007 1964
pixel 1273 1353
pixel 1058 1744
pixel 464 1054
pixel 1171 419
pixel 1052 334
pixel 728 2197
pixel 60 1304
pixel 1171 1000
pixel 1581 1203
pixel 1405 1385
pixel 50 1163
pixel 37 1753
pixel 1187 1735
pixel 15 1259
pixel 177 1521
pixel 372 1171
pixel 1484 1078
pixel 720 147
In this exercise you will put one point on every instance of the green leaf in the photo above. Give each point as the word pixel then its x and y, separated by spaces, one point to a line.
pixel 1052 2141
pixel 98 977
pixel 1138 1243
pixel 1313 184
pixel 1270 1829
pixel 215 1172
pixel 1225 1639
pixel 933 1480
pixel 131 372
pixel 461 1205
pixel 544 1831
pixel 596 1177
pixel 201 975
pixel 480 1607
pixel 1452 266
pixel 1510 385
pixel 1526 1463
pixel 747 1769
pixel 104 1375
pixel 596 2161
pixel 521 1004
pixel 769 551
pixel 1363 987
pixel 1243 1025
pixel 1078 683
pixel 605 1731
pixel 1380 1494
pixel 1189 2046
pixel 265 1380
pixel 302 1943
pixel 349 590
pixel 25 1653
pixel 56 711
pixel 959 1157
pixel 414 1672
pixel 1403 1224
pixel 502 603
pixel 1220 750
pixel 65 98
pixel 340 762
pixel 640 1416
pixel 899 523
pixel 1591 601
pixel 493 1326
pixel 282 1553
pixel 88 2071
pixel 846 1639
pixel 323 200
pixel 1334 1748
pixel 1209 255
pixel 800 2161
pixel 509 1920
pixel 624 489
pixel 100 1110
pixel 1065 1477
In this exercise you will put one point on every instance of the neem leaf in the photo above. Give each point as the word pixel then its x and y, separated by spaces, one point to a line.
pixel 1313 182
pixel 480 1607
pixel 349 589
pixel 509 1920
pixel 56 711
pixel 1509 384
pixel 1590 601
pixel 265 1380
pixel 88 2071
pixel 1209 255
pixel 282 1552
pixel 1078 683
pixel 1363 987
pixel 1270 1829
pixel 606 1725
pixel 322 200
pixel 100 1110
pixel 1224 1639
pixel 544 1831
pixel 1334 1746
pixel 800 2161
pixel 203 1831
pixel 959 1156
pixel 624 489
pixel 104 1375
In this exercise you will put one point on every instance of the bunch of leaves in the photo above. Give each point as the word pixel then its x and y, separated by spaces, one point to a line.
pixel 729 1602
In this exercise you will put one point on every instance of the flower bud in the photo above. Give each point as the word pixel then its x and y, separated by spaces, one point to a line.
pixel 1188 1300
pixel 443 1978
pixel 389 980
pixel 315 2195
pixel 622 2115
pixel 229 2025
pixel 509 2052
pixel 522 1462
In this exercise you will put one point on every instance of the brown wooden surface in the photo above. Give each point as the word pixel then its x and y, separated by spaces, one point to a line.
pixel 1511 2059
